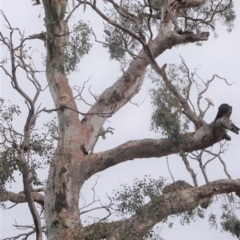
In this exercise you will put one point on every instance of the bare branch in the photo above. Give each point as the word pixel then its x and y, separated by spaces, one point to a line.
pixel 198 156
pixel 218 155
pixel 139 104
pixel 170 170
pixel 80 91
pixel 149 19
pixel 103 132
pixel 24 235
pixel 94 95
pixel 26 141
pixel 73 10
pixel 62 107
pixel 190 170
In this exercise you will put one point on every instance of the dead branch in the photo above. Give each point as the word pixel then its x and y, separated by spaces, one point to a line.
pixel 80 91
pixel 94 95
pixel 139 104
pixel 62 107
pixel 24 235
pixel 218 155
pixel 73 10
pixel 94 196
pixel 198 156
pixel 170 170
pixel 108 130
pixel 189 169
pixel 207 85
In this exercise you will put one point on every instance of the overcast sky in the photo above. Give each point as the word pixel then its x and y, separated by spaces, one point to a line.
pixel 217 56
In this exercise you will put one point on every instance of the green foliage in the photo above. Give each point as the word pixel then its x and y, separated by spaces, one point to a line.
pixel 191 215
pixel 39 154
pixel 119 42
pixel 130 200
pixel 8 157
pixel 206 17
pixel 227 18
pixel 212 219
pixel 231 224
pixel 136 18
pixel 115 41
pixel 230 221
pixel 153 234
pixel 43 144
pixel 167 117
pixel 78 46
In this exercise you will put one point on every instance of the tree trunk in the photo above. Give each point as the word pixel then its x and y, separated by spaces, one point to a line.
pixel 64 182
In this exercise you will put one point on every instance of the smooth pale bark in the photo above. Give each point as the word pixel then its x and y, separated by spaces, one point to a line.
pixel 147 148
pixel 21 197
pixel 63 184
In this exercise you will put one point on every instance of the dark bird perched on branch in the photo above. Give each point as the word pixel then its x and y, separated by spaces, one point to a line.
pixel 225 111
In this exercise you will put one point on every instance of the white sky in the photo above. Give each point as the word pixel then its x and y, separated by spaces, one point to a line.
pixel 217 56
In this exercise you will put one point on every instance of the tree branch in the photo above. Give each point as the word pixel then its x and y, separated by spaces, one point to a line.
pixel 189 169
pixel 128 85
pixel 186 108
pixel 147 148
pixel 21 197
pixel 162 207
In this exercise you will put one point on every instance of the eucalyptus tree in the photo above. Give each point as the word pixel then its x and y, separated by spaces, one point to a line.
pixel 136 34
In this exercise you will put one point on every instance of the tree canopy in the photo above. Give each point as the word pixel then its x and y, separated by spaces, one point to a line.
pixel 67 73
